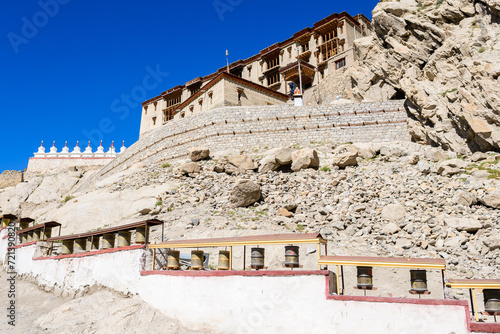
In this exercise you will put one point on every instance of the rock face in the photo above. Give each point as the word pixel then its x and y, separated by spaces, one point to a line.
pixel 304 158
pixel 245 193
pixel 440 55
pixel 10 178
pixel 198 153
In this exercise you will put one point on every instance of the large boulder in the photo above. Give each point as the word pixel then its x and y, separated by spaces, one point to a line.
pixel 242 161
pixel 305 158
pixel 268 164
pixel 463 224
pixel 198 153
pixel 189 168
pixel 492 199
pixel 345 159
pixel 394 212
pixel 245 193
pixel 284 156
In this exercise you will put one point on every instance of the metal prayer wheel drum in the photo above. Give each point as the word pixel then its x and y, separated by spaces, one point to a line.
pixel 92 244
pixel 80 245
pixel 44 235
pixel 257 258
pixel 418 279
pixel 365 277
pixel 124 238
pixel 29 237
pixel 108 241
pixel 173 260
pixel 197 260
pixel 23 225
pixel 24 238
pixel 491 300
pixel 140 235
pixel 36 235
pixel 67 247
pixel 291 256
pixel 223 260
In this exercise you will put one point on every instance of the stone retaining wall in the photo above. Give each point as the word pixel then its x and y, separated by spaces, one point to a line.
pixel 273 126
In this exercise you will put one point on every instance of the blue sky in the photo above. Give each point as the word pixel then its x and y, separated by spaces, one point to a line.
pixel 78 70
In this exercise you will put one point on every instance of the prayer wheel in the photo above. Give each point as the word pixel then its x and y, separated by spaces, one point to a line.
pixel 80 245
pixel 124 238
pixel 5 222
pixel 24 238
pixel 140 235
pixel 257 258
pixel 23 225
pixel 30 236
pixel 365 277
pixel 67 247
pixel 197 260
pixel 224 260
pixel 92 243
pixel 492 300
pixel 108 241
pixel 173 260
pixel 36 235
pixel 44 235
pixel 418 279
pixel 291 256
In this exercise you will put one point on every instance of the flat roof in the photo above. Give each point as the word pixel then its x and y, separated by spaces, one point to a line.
pixel 8 216
pixel 39 226
pixel 26 220
pixel 383 262
pixel 150 222
pixel 473 283
pixel 288 238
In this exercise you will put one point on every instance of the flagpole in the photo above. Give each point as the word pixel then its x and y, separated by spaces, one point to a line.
pixel 227 60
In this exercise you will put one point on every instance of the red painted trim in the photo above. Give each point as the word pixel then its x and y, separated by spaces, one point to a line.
pixel 398 300
pixel 5 236
pixel 485 327
pixel 24 245
pixel 225 273
pixel 3 228
pixel 103 251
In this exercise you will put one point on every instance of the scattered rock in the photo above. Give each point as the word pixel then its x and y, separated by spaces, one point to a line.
pixel 242 161
pixel 189 168
pixel 245 193
pixel 463 224
pixel 394 212
pixel 198 153
pixel 492 199
pixel 305 158
pixel 269 163
pixel 345 159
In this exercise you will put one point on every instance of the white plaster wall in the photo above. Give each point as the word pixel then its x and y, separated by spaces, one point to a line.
pixel 289 304
pixel 119 270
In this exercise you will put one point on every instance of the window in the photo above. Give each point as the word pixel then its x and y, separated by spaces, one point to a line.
pixel 342 29
pixel 191 108
pixel 210 96
pixel 174 101
pixel 145 110
pixel 340 63
pixel 273 79
pixel 155 103
pixel 154 120
pixel 249 70
pixel 305 47
pixel 273 63
pixel 328 36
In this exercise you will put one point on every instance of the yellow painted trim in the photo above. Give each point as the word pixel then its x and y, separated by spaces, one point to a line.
pixel 384 264
pixel 475 304
pixel 181 244
pixel 473 286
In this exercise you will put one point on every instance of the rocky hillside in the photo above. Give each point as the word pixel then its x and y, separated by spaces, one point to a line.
pixel 400 199
pixel 443 55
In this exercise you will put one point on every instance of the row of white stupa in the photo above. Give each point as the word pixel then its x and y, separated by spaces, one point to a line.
pixel 77 153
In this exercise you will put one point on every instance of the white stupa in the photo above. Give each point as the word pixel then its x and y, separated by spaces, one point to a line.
pixel 65 151
pixel 111 152
pixel 41 151
pixel 53 151
pixel 76 153
pixel 88 152
pixel 100 152
pixel 123 148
